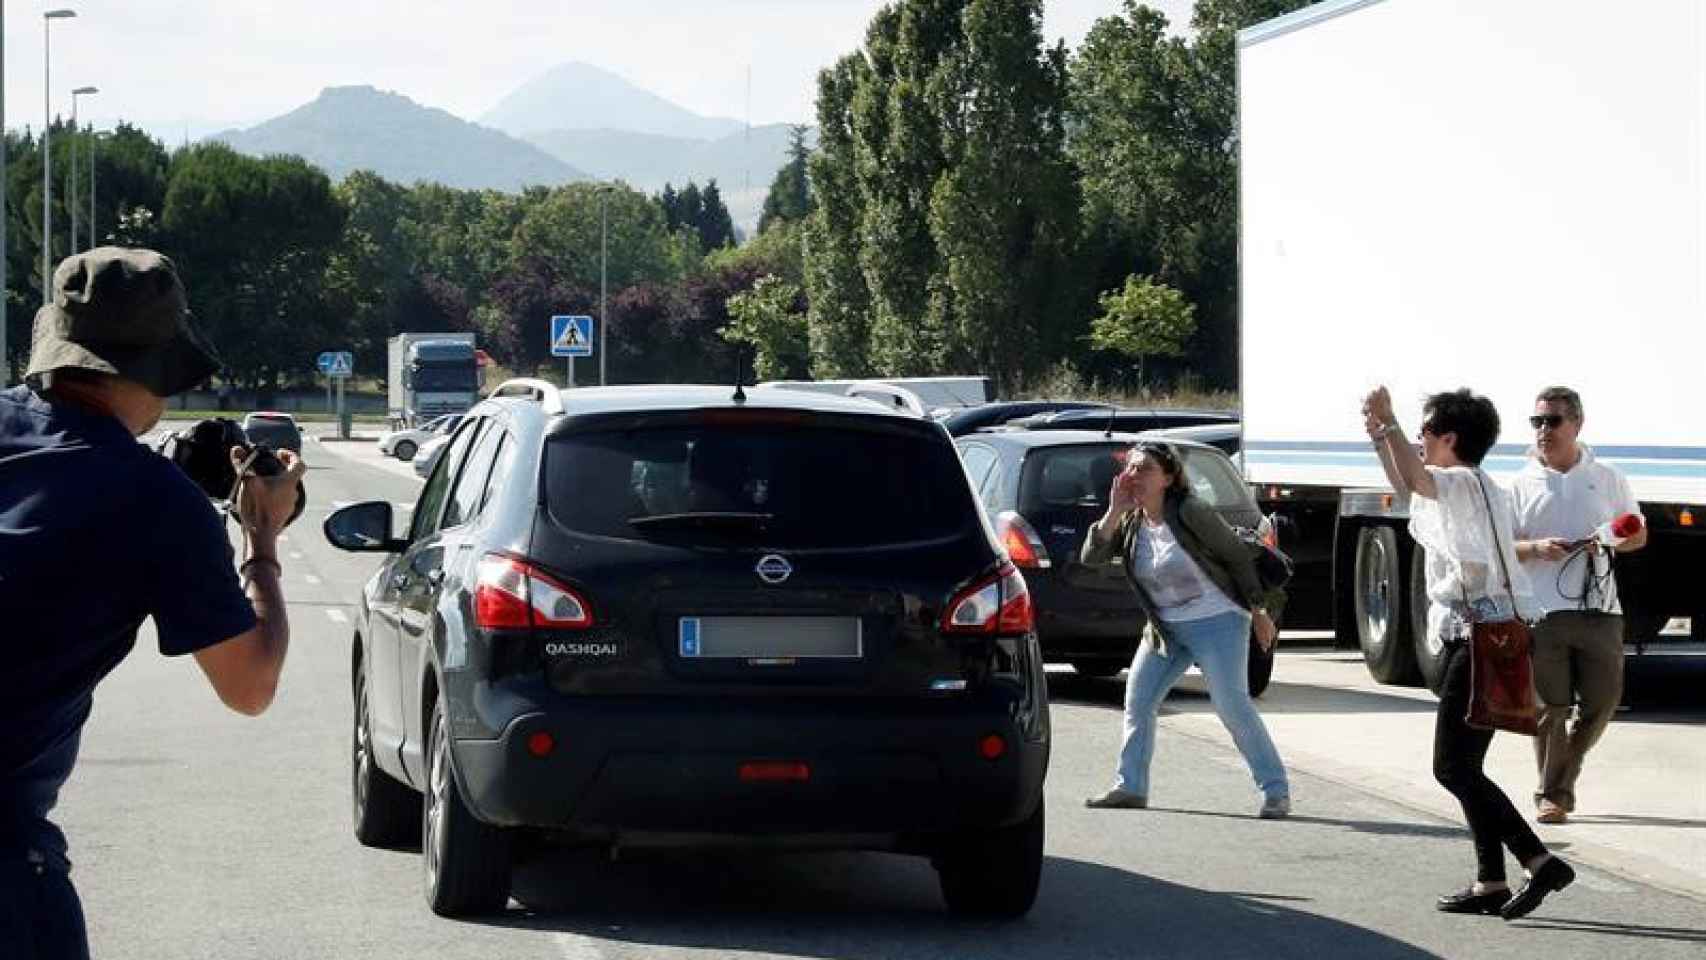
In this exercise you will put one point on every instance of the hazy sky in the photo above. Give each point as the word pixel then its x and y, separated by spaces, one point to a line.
pixel 190 67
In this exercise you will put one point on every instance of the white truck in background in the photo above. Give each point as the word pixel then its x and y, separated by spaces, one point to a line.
pixel 428 375
pixel 1503 196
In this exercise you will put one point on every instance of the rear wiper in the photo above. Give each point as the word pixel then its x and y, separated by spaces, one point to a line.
pixel 703 520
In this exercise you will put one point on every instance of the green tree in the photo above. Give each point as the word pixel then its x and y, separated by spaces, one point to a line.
pixel 838 317
pixel 790 197
pixel 1143 319
pixel 1003 209
pixel 768 318
pixel 252 238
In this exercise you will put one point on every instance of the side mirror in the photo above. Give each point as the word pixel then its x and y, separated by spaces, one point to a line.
pixel 363 528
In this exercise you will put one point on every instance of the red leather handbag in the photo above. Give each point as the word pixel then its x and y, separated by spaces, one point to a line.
pixel 1501 664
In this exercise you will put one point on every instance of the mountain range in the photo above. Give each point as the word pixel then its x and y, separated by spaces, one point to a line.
pixel 574 122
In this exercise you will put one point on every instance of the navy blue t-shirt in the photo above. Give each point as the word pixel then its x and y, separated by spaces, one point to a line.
pixel 97 533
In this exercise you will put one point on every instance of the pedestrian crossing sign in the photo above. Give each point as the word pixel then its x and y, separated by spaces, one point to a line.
pixel 571 336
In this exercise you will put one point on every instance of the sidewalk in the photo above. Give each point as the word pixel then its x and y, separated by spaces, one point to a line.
pixel 1642 804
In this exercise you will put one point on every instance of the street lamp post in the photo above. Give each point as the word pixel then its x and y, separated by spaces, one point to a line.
pixel 94 146
pixel 71 178
pixel 47 154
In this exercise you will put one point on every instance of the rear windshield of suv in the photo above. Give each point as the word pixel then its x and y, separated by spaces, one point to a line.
pixel 1058 477
pixel 277 433
pixel 781 485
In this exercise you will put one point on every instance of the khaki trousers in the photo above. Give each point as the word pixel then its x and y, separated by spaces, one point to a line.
pixel 1577 656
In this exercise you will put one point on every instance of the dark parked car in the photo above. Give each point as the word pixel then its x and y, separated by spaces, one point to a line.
pixel 276 430
pixel 1125 420
pixel 1043 489
pixel 983 416
pixel 636 614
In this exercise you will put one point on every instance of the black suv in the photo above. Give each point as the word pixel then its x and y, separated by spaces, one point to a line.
pixel 637 614
pixel 1042 490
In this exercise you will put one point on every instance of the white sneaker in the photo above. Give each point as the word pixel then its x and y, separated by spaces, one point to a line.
pixel 1276 807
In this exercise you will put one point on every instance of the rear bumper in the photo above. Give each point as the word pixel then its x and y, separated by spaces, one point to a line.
pixel 645 766
pixel 1078 623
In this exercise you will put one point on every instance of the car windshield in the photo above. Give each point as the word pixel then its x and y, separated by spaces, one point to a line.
pixel 787 487
pixel 457 378
pixel 1057 477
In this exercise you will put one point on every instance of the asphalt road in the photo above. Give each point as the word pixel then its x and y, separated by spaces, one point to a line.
pixel 199 833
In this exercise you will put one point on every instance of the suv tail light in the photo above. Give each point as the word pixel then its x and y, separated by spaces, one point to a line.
pixel 510 594
pixel 996 605
pixel 1020 538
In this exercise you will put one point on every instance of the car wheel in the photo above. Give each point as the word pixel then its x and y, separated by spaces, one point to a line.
pixel 1430 651
pixel 404 450
pixel 387 813
pixel 1099 668
pixel 994 873
pixel 467 862
pixel 1379 596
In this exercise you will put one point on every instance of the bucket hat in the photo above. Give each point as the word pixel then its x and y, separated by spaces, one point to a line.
pixel 120 310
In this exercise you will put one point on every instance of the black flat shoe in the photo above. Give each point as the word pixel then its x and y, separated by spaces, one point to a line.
pixel 1468 901
pixel 1553 875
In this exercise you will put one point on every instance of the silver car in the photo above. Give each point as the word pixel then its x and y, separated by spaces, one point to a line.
pixel 404 444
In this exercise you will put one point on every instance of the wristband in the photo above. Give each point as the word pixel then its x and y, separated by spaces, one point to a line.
pixel 243 568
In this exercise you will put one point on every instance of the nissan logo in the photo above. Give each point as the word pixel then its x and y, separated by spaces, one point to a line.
pixel 774 568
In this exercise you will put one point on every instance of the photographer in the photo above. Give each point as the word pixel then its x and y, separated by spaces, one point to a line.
pixel 97 533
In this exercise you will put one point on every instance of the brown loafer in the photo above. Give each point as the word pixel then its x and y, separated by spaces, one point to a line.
pixel 1551 813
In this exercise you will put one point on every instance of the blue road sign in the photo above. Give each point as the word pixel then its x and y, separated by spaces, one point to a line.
pixel 571 336
pixel 336 363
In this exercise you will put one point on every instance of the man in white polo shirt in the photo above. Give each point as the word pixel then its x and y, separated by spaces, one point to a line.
pixel 1566 501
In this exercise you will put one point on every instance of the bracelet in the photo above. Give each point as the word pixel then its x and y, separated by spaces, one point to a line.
pixel 242 568
pixel 1381 434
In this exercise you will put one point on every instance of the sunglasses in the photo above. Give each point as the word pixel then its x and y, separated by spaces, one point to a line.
pixel 1552 420
pixel 1427 430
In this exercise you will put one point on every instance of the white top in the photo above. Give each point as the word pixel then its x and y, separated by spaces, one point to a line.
pixel 1463 568
pixel 1571 504
pixel 1174 582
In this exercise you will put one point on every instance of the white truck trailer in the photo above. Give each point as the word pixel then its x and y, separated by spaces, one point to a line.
pixel 1504 196
pixel 430 374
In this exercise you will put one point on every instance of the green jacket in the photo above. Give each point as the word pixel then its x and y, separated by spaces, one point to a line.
pixel 1205 537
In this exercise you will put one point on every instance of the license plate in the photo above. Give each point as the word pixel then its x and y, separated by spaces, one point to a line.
pixel 771 638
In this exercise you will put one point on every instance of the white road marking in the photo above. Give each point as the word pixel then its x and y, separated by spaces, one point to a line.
pixel 310 579
pixel 296 555
pixel 336 615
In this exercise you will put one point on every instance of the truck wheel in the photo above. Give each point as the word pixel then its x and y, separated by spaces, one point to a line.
pixel 1379 586
pixel 467 862
pixel 387 813
pixel 405 450
pixel 1099 668
pixel 1430 653
pixel 993 873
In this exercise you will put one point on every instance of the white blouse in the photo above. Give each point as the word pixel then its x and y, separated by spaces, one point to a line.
pixel 1463 563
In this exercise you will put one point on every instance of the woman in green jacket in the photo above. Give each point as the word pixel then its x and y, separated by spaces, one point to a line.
pixel 1197 582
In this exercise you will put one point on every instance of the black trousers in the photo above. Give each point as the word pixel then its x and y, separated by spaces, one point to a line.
pixel 40 915
pixel 1459 752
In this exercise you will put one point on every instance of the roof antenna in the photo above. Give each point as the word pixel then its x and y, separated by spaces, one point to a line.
pixel 740 374
pixel 1112 411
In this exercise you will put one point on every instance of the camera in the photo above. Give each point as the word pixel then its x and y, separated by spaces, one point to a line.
pixel 203 452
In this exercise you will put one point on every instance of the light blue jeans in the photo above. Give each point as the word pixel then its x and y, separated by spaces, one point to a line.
pixel 1220 645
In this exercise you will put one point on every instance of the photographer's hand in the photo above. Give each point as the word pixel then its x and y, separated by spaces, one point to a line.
pixel 266 503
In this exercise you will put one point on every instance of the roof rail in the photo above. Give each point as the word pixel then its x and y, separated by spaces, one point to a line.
pixel 549 395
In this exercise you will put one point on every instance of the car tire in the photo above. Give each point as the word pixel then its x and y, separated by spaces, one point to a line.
pixel 387 813
pixel 404 450
pixel 1430 651
pixel 1380 587
pixel 994 873
pixel 467 863
pixel 1099 668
